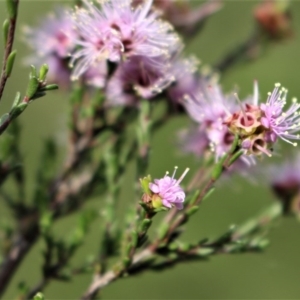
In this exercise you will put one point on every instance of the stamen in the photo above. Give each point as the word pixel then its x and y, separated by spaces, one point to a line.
pixel 175 169
pixel 264 150
pixel 242 109
pixel 182 176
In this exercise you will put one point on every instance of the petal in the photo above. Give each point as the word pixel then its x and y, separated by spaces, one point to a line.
pixel 154 188
pixel 166 203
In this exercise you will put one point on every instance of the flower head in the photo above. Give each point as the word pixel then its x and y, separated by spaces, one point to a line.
pixel 209 107
pixel 139 77
pixel 115 31
pixel 260 125
pixel 186 79
pixel 52 42
pixel 167 191
pixel 279 123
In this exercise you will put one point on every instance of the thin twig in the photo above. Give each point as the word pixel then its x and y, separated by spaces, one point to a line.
pixel 8 47
pixel 138 263
pixel 237 53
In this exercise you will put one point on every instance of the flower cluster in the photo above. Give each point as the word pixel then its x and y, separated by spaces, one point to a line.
pixel 53 42
pixel 260 125
pixel 209 108
pixel 257 125
pixel 126 49
pixel 164 192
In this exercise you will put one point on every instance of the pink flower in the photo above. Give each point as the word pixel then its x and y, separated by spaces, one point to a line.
pixel 260 125
pixel 282 124
pixel 138 77
pixel 52 41
pixel 169 190
pixel 209 108
pixel 186 79
pixel 115 31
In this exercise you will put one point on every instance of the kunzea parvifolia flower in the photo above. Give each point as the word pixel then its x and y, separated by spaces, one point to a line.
pixel 164 192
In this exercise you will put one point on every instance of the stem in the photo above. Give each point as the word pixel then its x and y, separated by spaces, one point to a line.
pixel 8 48
pixel 237 53
pixel 21 247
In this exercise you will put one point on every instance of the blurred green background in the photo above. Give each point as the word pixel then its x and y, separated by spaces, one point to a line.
pixel 270 275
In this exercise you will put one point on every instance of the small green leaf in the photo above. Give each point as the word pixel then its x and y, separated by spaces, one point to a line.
pixel 146 223
pixel 126 262
pixel 159 209
pixel 39 296
pixel 32 87
pixel 50 87
pixel 218 168
pixel 17 110
pixel 43 72
pixel 173 246
pixel 5 28
pixel 192 210
pixel 12 7
pixel 185 247
pixel 134 238
pixel 145 184
pixel 10 63
pixel 235 156
pixel 4 119
pixel 207 195
pixel 163 230
pixel 192 199
pixel 16 100
pixel 205 251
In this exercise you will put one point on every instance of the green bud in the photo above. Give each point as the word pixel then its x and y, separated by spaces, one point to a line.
pixel 145 184
pixel 5 28
pixel 192 210
pixel 17 110
pixel 39 296
pixel 12 8
pixel 10 63
pixel 43 72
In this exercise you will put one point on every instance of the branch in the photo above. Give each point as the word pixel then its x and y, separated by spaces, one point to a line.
pixel 9 43
pixel 237 240
pixel 237 53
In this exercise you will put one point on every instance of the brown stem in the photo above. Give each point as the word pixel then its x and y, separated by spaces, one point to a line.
pixel 237 53
pixel 8 47
pixel 19 250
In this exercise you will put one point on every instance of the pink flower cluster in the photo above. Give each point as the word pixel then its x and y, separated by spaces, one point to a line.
pixel 221 117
